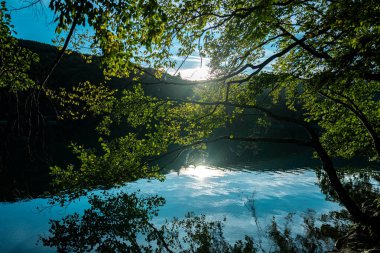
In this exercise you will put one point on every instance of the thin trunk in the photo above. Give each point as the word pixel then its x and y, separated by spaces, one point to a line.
pixel 60 54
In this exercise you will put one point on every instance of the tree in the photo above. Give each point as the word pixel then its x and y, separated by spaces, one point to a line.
pixel 325 62
pixel 325 65
pixel 320 49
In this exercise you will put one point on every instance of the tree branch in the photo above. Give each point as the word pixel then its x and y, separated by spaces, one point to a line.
pixel 360 115
pixel 63 49
pixel 245 106
pixel 160 237
pixel 25 6
pixel 301 43
pixel 258 67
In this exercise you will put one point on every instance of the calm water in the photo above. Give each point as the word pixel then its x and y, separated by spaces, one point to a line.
pixel 216 192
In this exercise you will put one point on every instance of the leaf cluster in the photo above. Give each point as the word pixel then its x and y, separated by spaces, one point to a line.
pixel 15 61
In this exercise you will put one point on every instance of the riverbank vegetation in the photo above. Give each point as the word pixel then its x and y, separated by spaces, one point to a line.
pixel 312 66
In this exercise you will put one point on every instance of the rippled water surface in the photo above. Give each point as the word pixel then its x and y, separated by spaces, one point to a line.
pixel 246 197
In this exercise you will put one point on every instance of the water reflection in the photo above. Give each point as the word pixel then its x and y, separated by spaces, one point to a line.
pixel 201 171
pixel 248 199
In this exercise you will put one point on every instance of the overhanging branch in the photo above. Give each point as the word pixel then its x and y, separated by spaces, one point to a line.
pixel 63 49
pixel 301 43
pixel 245 106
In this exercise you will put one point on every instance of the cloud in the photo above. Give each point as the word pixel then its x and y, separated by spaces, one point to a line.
pixel 193 68
pixel 192 74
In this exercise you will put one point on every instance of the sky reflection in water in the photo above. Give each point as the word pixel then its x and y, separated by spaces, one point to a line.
pixel 216 192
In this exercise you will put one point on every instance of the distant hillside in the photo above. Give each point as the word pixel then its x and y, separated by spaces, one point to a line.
pixel 30 145
pixel 73 69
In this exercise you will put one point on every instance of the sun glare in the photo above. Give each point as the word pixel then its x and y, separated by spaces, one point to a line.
pixel 195 74
pixel 201 171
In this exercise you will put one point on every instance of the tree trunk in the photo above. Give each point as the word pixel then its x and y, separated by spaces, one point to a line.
pixel 355 211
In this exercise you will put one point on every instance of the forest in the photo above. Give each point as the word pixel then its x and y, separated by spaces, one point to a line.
pixel 101 123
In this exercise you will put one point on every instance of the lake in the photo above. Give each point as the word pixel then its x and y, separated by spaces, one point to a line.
pixel 248 196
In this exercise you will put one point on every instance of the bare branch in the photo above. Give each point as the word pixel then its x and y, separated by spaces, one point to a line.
pixel 60 54
pixel 160 236
pixel 25 6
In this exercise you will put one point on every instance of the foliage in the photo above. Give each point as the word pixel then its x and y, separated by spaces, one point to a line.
pixel 116 163
pixel 197 234
pixel 360 183
pixel 15 61
pixel 111 224
pixel 127 34
pixel 153 127
pixel 318 55
pixel 122 222
pixel 318 234
pixel 84 99
pixel 317 60
pixel 344 133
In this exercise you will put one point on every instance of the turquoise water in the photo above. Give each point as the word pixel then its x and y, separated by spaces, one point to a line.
pixel 246 197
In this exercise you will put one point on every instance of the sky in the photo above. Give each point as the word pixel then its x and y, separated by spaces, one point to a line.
pixel 37 23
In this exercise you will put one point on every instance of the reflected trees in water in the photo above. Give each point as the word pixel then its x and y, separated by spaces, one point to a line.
pixel 125 222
